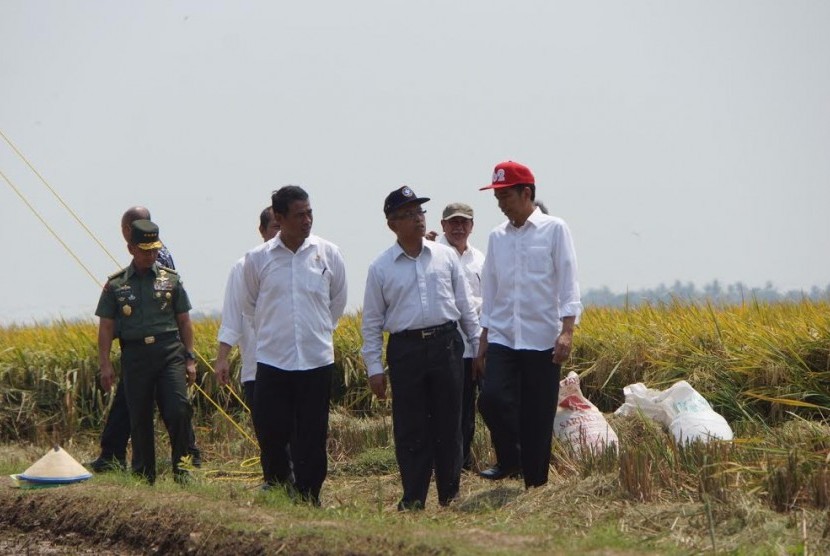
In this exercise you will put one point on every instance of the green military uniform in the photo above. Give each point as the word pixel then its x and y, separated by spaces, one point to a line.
pixel 144 308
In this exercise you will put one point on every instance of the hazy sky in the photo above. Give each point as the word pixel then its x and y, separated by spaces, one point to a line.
pixel 679 140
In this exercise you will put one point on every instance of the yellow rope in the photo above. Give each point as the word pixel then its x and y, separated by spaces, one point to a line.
pixel 216 405
pixel 48 227
pixel 91 275
pixel 58 197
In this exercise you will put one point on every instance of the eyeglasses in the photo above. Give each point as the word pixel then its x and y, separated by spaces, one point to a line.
pixel 409 215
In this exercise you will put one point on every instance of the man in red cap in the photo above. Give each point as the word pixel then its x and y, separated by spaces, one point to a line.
pixel 530 305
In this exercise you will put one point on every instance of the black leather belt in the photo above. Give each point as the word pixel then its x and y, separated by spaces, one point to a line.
pixel 150 340
pixel 426 333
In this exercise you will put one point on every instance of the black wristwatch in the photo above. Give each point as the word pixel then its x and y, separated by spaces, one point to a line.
pixel 189 355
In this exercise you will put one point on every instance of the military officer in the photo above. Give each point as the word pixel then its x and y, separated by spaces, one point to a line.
pixel 116 433
pixel 146 307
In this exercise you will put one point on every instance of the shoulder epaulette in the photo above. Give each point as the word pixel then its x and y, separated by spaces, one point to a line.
pixel 168 269
pixel 115 275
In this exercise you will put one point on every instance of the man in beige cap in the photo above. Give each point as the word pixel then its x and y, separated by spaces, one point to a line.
pixel 457 224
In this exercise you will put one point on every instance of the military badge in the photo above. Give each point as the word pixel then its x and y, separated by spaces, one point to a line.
pixel 127 310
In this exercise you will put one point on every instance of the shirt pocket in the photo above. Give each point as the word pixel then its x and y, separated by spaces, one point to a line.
pixel 318 280
pixel 539 259
pixel 440 283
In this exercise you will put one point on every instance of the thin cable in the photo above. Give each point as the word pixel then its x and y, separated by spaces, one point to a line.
pixel 94 279
pixel 58 197
pixel 48 227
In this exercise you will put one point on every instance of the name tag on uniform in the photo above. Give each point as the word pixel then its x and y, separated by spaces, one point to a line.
pixel 162 285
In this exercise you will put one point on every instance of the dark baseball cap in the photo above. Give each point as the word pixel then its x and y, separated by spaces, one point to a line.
pixel 400 197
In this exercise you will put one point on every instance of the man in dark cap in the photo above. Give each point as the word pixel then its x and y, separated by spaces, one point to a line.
pixel 146 307
pixel 116 433
pixel 530 304
pixel 417 292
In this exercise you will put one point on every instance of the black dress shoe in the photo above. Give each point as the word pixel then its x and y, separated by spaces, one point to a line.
pixel 104 464
pixel 410 505
pixel 497 473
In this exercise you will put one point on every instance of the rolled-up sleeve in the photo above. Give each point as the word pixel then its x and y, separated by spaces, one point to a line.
pixel 567 285
pixel 230 331
pixel 374 311
pixel 338 289
pixel 488 285
pixel 466 305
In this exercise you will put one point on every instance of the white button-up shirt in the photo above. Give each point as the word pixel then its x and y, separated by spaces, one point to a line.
pixel 409 293
pixel 296 300
pixel 472 260
pixel 529 282
pixel 237 328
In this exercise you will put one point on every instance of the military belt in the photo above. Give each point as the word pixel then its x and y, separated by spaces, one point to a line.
pixel 150 340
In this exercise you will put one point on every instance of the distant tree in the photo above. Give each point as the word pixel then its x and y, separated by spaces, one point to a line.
pixel 714 292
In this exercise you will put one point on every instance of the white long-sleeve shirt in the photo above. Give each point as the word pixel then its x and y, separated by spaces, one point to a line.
pixel 296 300
pixel 237 328
pixel 529 282
pixel 410 293
pixel 472 261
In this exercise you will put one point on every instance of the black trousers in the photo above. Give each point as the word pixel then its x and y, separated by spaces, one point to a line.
pixel 116 431
pixel 518 398
pixel 426 379
pixel 248 389
pixel 156 373
pixel 468 414
pixel 291 408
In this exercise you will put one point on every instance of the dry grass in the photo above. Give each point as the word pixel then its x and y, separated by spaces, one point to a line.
pixel 758 495
pixel 764 367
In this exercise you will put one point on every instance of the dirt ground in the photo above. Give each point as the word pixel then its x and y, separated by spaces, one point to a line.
pixel 65 520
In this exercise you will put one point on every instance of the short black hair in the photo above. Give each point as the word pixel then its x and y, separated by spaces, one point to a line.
pixel 265 218
pixel 519 186
pixel 282 198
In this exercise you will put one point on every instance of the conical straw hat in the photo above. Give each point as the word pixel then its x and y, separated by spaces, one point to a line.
pixel 56 467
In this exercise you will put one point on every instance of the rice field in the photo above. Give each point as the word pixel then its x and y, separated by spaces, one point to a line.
pixel 756 362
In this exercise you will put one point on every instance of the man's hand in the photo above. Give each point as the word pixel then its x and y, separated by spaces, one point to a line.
pixel 378 385
pixel 562 349
pixel 431 235
pixel 478 367
pixel 107 377
pixel 190 367
pixel 481 357
pixel 223 371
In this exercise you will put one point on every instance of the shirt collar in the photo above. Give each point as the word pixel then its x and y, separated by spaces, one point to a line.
pixel 534 219
pixel 132 270
pixel 397 250
pixel 442 239
pixel 276 241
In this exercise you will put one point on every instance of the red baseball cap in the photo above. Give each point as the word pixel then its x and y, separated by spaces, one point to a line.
pixel 510 173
